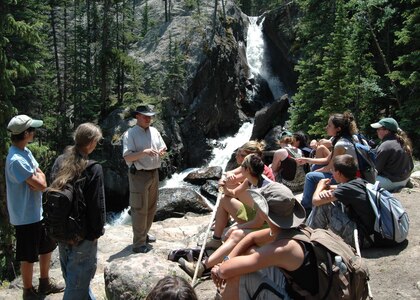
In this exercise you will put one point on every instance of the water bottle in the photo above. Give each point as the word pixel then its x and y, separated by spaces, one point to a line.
pixel 340 264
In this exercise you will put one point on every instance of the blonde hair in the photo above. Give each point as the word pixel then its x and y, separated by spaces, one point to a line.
pixel 73 163
pixel 253 147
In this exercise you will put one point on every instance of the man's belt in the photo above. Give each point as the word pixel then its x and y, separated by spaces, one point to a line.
pixel 152 170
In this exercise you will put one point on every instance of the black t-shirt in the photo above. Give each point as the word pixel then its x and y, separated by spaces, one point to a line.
pixel 353 195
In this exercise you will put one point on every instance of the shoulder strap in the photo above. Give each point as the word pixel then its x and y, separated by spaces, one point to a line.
pixel 301 233
pixel 292 153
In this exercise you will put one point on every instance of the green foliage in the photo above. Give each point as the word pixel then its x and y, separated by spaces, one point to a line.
pixel 190 4
pixel 175 69
pixel 145 19
pixel 357 55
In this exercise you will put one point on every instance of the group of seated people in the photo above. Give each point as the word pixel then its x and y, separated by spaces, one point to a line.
pixel 262 204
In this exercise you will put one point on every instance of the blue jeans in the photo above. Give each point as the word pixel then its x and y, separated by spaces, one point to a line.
pixel 78 264
pixel 390 185
pixel 311 181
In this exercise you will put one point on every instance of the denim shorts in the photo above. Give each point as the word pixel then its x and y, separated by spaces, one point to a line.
pixel 31 241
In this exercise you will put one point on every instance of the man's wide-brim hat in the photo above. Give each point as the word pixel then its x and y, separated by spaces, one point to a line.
pixel 20 123
pixel 147 110
pixel 277 202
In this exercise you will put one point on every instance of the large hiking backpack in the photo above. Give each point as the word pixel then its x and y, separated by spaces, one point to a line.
pixel 391 220
pixel 365 159
pixel 65 211
pixel 349 283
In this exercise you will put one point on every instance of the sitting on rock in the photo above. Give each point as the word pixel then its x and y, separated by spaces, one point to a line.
pixel 232 237
pixel 248 265
pixel 320 149
pixel 341 127
pixel 394 160
pixel 237 202
pixel 234 177
pixel 285 168
pixel 352 210
pixel 172 288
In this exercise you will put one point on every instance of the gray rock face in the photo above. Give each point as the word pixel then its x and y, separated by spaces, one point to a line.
pixel 176 202
pixel 210 190
pixel 279 26
pixel 269 116
pixel 132 277
pixel 200 176
pixel 213 99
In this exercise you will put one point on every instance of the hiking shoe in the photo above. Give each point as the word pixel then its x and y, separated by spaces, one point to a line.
pixel 189 267
pixel 141 249
pixel 30 294
pixel 150 238
pixel 213 244
pixel 49 286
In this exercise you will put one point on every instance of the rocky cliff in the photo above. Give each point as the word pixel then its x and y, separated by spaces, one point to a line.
pixel 213 101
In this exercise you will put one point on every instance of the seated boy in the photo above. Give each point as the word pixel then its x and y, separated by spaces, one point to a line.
pixel 352 210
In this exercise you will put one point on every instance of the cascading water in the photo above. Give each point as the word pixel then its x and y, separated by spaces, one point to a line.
pixel 257 58
pixel 260 66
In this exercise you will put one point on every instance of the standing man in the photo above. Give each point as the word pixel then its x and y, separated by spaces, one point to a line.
pixel 24 184
pixel 142 148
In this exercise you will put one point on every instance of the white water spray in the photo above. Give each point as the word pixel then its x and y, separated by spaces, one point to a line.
pixel 257 59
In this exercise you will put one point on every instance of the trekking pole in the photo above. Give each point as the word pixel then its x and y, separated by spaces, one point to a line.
pixel 356 244
pixel 203 246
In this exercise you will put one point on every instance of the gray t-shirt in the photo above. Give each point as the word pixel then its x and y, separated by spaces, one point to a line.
pixel 138 139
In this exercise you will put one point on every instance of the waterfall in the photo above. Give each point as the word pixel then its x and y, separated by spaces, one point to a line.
pixel 257 57
pixel 221 155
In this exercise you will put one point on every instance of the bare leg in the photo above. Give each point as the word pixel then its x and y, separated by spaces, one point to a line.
pixel 26 269
pixel 218 255
pixel 44 264
pixel 228 206
pixel 231 290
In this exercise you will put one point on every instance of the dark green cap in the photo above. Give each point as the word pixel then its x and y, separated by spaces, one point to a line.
pixel 388 123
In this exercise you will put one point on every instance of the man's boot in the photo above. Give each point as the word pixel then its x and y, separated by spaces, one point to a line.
pixel 30 294
pixel 49 286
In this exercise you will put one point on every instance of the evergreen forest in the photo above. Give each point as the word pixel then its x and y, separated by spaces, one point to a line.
pixel 70 61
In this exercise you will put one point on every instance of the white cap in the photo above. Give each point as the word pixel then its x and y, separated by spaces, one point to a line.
pixel 20 123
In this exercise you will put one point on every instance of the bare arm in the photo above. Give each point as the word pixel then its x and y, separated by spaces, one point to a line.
pixel 323 193
pixel 236 191
pixel 286 254
pixel 233 178
pixel 337 151
pixel 37 181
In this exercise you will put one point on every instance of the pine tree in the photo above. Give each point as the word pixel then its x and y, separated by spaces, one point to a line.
pixel 21 51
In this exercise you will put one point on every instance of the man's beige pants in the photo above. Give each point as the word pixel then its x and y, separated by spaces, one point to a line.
pixel 144 187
